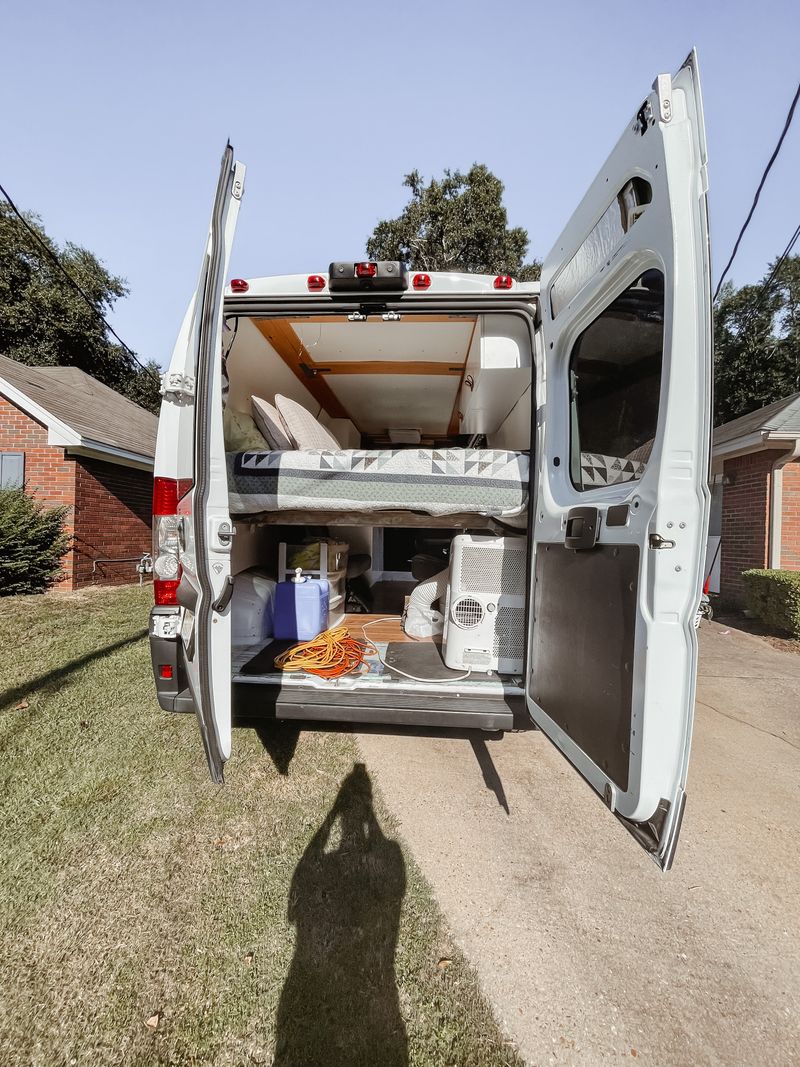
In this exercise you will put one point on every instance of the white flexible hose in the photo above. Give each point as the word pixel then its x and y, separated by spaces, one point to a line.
pixel 419 619
pixel 414 678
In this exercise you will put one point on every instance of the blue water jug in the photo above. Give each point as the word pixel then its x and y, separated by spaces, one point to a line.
pixel 301 608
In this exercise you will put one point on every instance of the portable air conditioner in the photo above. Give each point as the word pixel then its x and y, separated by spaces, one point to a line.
pixel 484 626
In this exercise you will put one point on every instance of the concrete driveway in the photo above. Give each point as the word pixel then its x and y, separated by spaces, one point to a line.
pixel 586 950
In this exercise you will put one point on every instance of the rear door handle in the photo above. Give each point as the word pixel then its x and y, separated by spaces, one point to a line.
pixel 583 526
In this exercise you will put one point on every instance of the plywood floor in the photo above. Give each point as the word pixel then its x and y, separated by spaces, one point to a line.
pixel 387 628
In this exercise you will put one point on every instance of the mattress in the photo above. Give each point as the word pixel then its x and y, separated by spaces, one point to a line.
pixel 478 481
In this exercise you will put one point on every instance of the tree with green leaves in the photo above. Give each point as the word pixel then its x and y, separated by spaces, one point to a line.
pixel 455 223
pixel 44 320
pixel 757 342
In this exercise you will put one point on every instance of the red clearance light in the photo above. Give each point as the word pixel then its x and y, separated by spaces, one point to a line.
pixel 503 281
pixel 421 281
pixel 316 282
pixel 239 285
pixel 165 671
pixel 366 270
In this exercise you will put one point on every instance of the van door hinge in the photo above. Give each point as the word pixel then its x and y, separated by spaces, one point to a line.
pixel 663 88
pixel 177 388
pixel 657 541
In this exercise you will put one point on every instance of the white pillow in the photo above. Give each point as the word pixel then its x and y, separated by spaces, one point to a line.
pixel 305 430
pixel 270 424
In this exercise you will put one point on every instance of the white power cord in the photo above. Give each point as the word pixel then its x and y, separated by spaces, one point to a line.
pixel 414 678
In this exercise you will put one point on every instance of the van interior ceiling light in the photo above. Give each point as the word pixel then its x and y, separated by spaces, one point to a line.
pixel 239 285
pixel 503 281
pixel 166 548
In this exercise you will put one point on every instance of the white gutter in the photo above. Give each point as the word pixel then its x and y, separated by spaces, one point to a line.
pixel 753 442
pixel 122 457
pixel 776 503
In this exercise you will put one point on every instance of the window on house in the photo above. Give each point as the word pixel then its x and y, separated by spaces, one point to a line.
pixel 615 383
pixel 12 470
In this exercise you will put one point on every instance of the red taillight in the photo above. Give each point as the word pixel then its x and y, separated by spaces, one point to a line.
pixel 167 493
pixel 421 281
pixel 165 496
pixel 239 285
pixel 165 671
pixel 366 270
pixel 503 281
pixel 315 282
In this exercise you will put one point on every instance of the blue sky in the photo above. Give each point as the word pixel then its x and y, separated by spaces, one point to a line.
pixel 116 117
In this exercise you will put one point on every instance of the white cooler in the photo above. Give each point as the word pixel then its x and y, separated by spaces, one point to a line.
pixel 252 608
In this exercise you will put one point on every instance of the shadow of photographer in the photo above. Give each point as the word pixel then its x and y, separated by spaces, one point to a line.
pixel 340 1003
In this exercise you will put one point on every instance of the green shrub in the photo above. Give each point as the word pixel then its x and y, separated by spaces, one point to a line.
pixel 774 597
pixel 32 542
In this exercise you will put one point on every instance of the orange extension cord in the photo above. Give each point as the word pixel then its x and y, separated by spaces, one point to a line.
pixel 330 655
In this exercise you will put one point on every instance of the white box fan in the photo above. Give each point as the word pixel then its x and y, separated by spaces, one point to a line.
pixel 484 627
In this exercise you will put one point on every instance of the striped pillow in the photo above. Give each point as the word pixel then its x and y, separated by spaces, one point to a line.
pixel 270 424
pixel 305 430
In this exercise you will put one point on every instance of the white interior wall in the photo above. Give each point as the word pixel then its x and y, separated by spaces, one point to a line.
pixel 514 432
pixel 254 367
pixel 343 430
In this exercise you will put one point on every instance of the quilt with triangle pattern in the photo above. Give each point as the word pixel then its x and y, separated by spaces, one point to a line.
pixel 483 481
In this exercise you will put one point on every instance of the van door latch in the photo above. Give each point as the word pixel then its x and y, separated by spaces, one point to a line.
pixel 657 541
pixel 222 533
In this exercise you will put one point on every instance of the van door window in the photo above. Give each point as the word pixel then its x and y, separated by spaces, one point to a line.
pixel 615 383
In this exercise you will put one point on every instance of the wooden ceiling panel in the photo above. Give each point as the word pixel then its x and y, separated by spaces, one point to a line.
pixel 294 354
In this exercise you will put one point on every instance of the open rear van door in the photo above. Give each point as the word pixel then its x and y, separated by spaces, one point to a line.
pixel 624 402
pixel 192 448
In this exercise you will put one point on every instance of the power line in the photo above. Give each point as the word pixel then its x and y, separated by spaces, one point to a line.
pixel 767 169
pixel 763 290
pixel 49 252
pixel 774 272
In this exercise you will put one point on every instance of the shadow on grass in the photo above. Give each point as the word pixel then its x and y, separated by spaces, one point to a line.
pixel 58 676
pixel 340 1004
pixel 280 741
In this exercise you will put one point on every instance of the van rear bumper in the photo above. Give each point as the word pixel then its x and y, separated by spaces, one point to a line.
pixel 172 692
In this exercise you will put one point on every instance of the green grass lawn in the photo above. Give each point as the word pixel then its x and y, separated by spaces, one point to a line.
pixel 150 917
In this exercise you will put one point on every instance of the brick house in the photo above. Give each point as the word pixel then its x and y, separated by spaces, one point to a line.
pixel 72 440
pixel 756 495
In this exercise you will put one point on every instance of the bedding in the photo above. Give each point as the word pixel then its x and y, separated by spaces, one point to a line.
pixel 304 429
pixel 240 431
pixel 269 422
pixel 489 482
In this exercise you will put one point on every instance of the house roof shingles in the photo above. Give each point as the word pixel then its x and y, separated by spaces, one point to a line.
pixel 95 411
pixel 782 417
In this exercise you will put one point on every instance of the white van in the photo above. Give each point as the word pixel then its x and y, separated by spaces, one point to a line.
pixel 539 450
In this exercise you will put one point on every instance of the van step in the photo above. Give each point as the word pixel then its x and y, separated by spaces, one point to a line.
pixel 430 710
